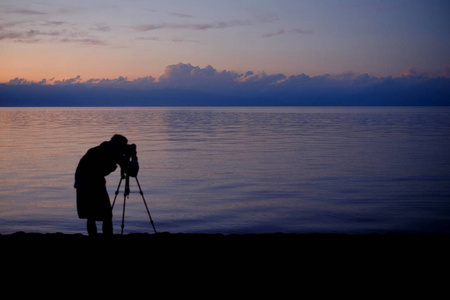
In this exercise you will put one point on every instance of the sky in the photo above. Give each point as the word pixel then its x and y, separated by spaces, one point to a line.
pixel 59 40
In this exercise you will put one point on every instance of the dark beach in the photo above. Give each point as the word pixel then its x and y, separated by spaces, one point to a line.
pixel 318 258
pixel 380 244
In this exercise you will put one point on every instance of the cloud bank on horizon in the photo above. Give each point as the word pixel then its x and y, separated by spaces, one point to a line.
pixel 185 84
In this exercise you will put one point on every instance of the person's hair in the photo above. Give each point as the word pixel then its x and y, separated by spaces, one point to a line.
pixel 119 139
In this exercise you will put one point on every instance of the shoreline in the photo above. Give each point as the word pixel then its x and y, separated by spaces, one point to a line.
pixel 377 238
pixel 289 244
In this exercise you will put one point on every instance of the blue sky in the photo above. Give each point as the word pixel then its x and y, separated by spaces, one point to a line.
pixel 137 38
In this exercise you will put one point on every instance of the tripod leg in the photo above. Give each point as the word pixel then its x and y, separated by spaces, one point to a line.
pixel 145 203
pixel 117 192
pixel 123 213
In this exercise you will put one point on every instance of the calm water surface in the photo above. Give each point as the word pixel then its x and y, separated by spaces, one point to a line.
pixel 236 170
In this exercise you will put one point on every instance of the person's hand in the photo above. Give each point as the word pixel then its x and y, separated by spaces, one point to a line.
pixel 132 150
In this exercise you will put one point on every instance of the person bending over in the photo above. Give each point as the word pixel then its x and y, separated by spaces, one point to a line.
pixel 93 201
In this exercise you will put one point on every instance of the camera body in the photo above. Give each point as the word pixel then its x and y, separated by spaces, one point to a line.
pixel 130 151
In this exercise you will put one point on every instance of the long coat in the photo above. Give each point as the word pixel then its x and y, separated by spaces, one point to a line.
pixel 92 197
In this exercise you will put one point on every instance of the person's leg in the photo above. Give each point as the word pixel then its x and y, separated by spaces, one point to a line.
pixel 106 212
pixel 91 227
pixel 108 226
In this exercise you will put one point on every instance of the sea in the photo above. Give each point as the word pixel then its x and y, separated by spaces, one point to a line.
pixel 234 170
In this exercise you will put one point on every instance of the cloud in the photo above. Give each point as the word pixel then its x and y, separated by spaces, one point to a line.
pixel 260 18
pixel 43 29
pixel 118 82
pixel 101 27
pixel 9 25
pixel 279 32
pixel 180 15
pixel 416 72
pixel 144 81
pixel 146 38
pixel 375 5
pixel 20 81
pixel 144 28
pixel 24 12
pixel 33 33
pixel 182 40
pixel 62 36
pixel 28 34
pixel 283 31
pixel 187 76
pixel 185 84
pixel 86 41
pixel 121 82
pixel 10 35
pixel 260 81
pixel 69 81
pixel 412 72
pixel 191 26
pixel 54 23
pixel 173 40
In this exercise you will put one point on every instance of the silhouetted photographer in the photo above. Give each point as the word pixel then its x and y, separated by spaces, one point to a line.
pixel 93 201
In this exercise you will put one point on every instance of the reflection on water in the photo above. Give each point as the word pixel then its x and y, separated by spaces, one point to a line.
pixel 236 169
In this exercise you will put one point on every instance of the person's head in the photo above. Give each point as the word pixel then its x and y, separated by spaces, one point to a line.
pixel 120 141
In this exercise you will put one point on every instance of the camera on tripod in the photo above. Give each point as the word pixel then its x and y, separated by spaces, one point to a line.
pixel 130 151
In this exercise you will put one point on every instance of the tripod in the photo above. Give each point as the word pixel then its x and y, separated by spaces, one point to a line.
pixel 126 194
